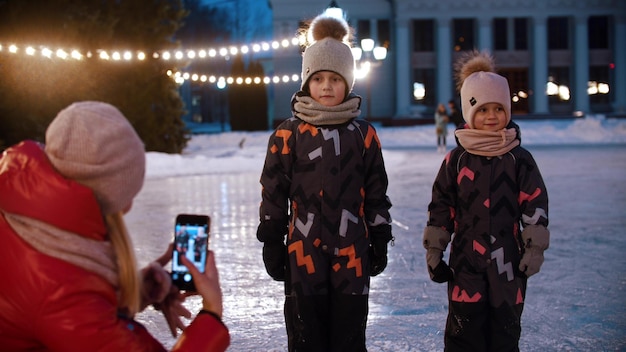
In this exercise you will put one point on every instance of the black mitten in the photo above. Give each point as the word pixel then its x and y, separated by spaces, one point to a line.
pixel 436 241
pixel 275 259
pixel 441 272
pixel 272 234
pixel 380 236
pixel 272 231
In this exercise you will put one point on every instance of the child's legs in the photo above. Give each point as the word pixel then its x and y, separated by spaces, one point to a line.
pixel 306 302
pixel 334 322
pixel 307 319
pixel 292 323
pixel 349 293
pixel 467 325
pixel 441 139
pixel 326 304
pixel 507 302
pixel 484 311
pixel 505 328
pixel 348 321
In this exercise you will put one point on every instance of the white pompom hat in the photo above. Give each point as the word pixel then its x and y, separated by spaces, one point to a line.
pixel 329 51
pixel 479 85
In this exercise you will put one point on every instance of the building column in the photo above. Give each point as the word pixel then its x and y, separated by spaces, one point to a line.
pixel 619 53
pixel 581 65
pixel 484 33
pixel 403 68
pixel 510 34
pixel 444 61
pixel 374 32
pixel 540 66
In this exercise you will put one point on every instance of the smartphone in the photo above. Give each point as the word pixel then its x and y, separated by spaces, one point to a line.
pixel 191 239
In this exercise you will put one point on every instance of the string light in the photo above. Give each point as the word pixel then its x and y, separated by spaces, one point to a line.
pixel 221 81
pixel 175 55
pixel 129 55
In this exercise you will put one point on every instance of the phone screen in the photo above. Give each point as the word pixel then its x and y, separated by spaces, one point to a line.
pixel 191 239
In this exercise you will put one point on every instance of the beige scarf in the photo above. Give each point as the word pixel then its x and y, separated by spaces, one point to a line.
pixel 94 256
pixel 317 114
pixel 488 143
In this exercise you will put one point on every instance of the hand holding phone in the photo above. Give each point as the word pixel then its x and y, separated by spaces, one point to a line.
pixel 191 240
pixel 157 290
pixel 208 285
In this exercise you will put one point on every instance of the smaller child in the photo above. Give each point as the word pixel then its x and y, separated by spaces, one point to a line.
pixel 441 127
pixel 490 194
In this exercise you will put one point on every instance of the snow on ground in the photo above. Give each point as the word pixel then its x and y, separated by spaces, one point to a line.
pixel 220 153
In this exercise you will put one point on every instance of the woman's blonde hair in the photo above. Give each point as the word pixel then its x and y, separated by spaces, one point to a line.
pixel 129 285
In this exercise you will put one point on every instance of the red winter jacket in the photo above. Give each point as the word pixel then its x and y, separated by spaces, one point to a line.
pixel 47 304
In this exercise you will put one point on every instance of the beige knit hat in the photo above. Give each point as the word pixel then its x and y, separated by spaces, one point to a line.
pixel 329 51
pixel 93 143
pixel 479 85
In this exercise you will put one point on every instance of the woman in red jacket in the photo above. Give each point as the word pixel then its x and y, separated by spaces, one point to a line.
pixel 70 281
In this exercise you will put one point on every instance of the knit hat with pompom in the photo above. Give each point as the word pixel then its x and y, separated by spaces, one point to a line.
pixel 479 85
pixel 329 51
pixel 93 144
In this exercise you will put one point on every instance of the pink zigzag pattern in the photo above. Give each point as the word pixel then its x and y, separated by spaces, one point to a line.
pixel 525 196
pixel 465 172
pixel 459 295
pixel 478 247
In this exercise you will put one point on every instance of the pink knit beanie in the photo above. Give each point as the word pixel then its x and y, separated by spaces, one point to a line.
pixel 329 51
pixel 93 143
pixel 479 85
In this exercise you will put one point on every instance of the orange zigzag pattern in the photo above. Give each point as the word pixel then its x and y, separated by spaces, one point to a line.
pixel 353 261
pixel 371 135
pixel 301 259
pixel 284 134
pixel 308 127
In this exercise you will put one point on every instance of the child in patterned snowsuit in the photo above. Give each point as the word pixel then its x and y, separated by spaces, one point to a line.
pixel 324 189
pixel 490 194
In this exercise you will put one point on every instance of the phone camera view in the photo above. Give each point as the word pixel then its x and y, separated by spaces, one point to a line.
pixel 191 239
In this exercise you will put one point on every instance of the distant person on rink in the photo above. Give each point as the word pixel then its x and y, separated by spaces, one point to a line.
pixel 70 281
pixel 489 202
pixel 441 127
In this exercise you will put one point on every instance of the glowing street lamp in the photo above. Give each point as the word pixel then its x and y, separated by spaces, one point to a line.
pixel 367 57
pixel 333 10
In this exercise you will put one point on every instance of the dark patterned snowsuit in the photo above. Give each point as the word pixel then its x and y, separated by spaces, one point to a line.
pixel 483 201
pixel 331 183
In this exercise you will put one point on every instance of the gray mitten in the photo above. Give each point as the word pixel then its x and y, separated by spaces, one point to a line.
pixel 436 241
pixel 536 240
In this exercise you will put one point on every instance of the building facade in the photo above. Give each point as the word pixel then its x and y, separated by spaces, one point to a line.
pixel 561 57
